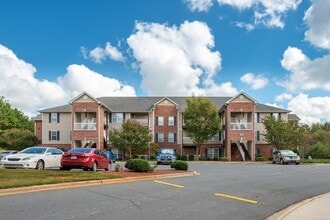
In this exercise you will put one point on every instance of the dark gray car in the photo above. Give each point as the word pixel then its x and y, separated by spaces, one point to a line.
pixel 285 157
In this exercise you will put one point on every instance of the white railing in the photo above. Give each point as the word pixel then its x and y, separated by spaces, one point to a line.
pixel 85 126
pixel 144 122
pixel 188 140
pixel 241 126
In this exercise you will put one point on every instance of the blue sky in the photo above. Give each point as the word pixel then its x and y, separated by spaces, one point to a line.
pixel 275 51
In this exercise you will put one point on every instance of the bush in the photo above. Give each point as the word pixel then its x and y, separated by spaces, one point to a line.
pixel 223 159
pixel 138 165
pixel 183 157
pixel 319 151
pixel 152 157
pixel 179 165
pixel 260 158
pixel 191 157
pixel 135 156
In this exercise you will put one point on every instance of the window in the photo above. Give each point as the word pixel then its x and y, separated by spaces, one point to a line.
pixel 171 137
pixel 171 121
pixel 160 121
pixel 258 151
pixel 54 135
pixel 117 117
pixel 258 135
pixel 54 117
pixel 257 117
pixel 160 137
pixel 212 153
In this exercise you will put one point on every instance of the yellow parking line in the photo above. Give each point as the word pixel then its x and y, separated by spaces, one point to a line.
pixel 169 184
pixel 236 198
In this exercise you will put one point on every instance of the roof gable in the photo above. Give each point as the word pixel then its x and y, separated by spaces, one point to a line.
pixel 241 97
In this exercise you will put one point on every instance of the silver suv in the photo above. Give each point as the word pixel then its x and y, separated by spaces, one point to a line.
pixel 285 157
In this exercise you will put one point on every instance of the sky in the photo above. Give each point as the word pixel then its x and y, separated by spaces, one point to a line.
pixel 276 51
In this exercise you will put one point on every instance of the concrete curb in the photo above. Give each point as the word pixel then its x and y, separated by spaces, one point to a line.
pixel 29 189
pixel 285 212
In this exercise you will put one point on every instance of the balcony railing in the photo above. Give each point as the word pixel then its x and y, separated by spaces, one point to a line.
pixel 241 126
pixel 143 122
pixel 188 140
pixel 85 126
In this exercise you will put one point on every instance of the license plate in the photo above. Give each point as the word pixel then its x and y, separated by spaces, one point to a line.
pixel 73 157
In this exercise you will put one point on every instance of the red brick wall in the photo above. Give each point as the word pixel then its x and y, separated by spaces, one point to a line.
pixel 38 130
pixel 166 111
pixel 265 150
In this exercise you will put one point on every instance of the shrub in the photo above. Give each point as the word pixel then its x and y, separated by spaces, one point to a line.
pixel 319 151
pixel 152 157
pixel 183 157
pixel 143 157
pixel 179 165
pixel 191 157
pixel 138 165
pixel 135 156
pixel 223 159
pixel 260 158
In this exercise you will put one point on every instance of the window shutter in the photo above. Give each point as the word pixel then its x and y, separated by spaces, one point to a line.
pixel 50 117
pixel 58 117
pixel 156 137
pixel 157 122
pixel 174 137
pixel 58 135
pixel 49 135
pixel 174 120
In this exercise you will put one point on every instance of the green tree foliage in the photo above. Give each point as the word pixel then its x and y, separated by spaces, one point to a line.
pixel 202 120
pixel 319 151
pixel 132 137
pixel 13 118
pixel 281 134
pixel 16 139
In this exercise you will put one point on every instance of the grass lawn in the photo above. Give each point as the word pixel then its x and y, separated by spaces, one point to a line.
pixel 12 178
pixel 315 161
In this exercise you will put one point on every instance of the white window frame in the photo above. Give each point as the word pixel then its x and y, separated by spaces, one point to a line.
pixel 171 121
pixel 160 137
pixel 53 117
pixel 160 121
pixel 171 137
pixel 117 117
pixel 53 135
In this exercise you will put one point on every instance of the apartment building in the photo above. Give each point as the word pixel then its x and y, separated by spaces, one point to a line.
pixel 86 121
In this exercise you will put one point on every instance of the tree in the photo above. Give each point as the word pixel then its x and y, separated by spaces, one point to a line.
pixel 282 134
pixel 16 139
pixel 13 118
pixel 202 120
pixel 132 137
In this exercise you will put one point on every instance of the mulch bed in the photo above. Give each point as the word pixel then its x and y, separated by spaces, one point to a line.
pixel 128 173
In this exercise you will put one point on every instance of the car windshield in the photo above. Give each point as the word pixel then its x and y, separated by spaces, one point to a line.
pixel 80 150
pixel 167 151
pixel 34 150
pixel 287 152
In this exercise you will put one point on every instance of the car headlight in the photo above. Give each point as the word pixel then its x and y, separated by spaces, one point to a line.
pixel 28 158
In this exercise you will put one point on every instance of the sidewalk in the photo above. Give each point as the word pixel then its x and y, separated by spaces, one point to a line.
pixel 317 208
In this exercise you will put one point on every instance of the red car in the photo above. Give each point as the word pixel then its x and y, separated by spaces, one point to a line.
pixel 86 159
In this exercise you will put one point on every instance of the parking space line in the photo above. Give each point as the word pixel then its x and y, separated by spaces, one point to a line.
pixel 236 198
pixel 169 184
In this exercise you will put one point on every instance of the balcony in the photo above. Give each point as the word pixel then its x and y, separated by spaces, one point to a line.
pixel 143 122
pixel 85 126
pixel 241 126
pixel 188 140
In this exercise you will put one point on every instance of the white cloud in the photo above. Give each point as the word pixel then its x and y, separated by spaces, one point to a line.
pixel 20 87
pixel 99 54
pixel 305 74
pixel 256 82
pixel 310 110
pixel 266 12
pixel 283 97
pixel 177 60
pixel 79 78
pixel 317 20
pixel 199 5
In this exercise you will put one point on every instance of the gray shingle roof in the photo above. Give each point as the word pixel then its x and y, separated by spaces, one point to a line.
pixel 293 117
pixel 145 104
pixel 268 108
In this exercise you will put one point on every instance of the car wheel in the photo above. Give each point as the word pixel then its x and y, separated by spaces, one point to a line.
pixel 40 165
pixel 64 168
pixel 94 167
pixel 273 161
pixel 297 163
pixel 282 162
pixel 108 167
pixel 85 169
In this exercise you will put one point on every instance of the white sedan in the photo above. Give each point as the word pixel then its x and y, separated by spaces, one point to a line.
pixel 34 157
